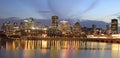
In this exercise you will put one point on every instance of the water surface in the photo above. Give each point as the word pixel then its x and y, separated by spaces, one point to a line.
pixel 58 49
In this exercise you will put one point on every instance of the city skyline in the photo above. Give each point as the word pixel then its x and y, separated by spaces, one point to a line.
pixel 59 28
pixel 100 10
pixel 31 23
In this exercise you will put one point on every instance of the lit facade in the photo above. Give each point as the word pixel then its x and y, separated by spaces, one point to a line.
pixel 54 23
pixel 38 25
pixel 15 26
pixel 64 27
pixel 27 24
pixel 114 26
pixel 31 23
pixel 24 25
pixel 76 29
pixel 9 26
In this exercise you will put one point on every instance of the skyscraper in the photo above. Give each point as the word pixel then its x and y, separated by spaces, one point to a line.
pixel 15 26
pixel 94 28
pixel 107 29
pixel 31 23
pixel 38 25
pixel 54 23
pixel 24 25
pixel 114 26
pixel 77 27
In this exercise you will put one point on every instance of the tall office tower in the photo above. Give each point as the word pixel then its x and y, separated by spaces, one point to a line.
pixel 9 26
pixel 94 28
pixel 21 25
pixel 54 23
pixel 15 26
pixel 31 23
pixel 107 29
pixel 38 25
pixel 114 26
pixel 76 29
pixel 27 24
pixel 24 25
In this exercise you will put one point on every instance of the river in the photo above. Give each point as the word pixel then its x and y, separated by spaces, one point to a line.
pixel 58 49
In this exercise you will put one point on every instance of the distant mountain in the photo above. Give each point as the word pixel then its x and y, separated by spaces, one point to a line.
pixel 18 20
pixel 87 23
pixel 10 19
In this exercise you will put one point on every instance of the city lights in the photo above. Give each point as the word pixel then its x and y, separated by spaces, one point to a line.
pixel 30 28
pixel 44 44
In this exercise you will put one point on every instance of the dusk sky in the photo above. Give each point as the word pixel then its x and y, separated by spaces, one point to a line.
pixel 102 10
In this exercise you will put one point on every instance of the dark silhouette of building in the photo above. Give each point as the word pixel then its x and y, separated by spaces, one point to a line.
pixel 54 23
pixel 114 26
pixel 107 29
pixel 77 29
pixel 3 27
pixel 94 28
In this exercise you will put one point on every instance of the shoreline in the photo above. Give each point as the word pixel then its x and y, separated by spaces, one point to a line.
pixel 107 40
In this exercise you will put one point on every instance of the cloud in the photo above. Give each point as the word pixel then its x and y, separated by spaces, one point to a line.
pixel 90 7
pixel 116 15
pixel 71 9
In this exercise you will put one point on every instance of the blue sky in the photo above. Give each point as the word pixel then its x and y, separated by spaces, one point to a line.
pixel 102 10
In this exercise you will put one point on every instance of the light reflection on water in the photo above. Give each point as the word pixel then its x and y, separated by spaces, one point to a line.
pixel 58 49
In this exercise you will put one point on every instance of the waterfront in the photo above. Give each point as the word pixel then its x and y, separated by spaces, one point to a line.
pixel 58 49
